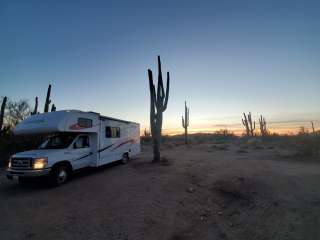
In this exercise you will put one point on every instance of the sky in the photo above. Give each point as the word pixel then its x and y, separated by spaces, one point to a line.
pixel 224 58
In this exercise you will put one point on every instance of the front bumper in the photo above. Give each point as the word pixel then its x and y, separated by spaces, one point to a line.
pixel 27 173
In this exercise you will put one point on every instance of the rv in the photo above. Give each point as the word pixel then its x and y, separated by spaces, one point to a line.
pixel 75 140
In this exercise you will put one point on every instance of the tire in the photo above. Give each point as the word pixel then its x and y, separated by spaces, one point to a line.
pixel 125 158
pixel 59 175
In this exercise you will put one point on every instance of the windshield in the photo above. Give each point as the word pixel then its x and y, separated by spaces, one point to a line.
pixel 58 141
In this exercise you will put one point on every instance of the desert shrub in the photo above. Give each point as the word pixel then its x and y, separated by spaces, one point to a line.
pixel 307 147
pixel 145 139
pixel 303 131
pixel 217 137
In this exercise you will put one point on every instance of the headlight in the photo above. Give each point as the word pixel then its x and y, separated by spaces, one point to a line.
pixel 39 163
pixel 9 163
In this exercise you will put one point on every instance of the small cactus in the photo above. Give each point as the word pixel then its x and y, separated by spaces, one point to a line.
pixel 247 122
pixel 312 126
pixel 185 122
pixel 53 108
pixel 48 101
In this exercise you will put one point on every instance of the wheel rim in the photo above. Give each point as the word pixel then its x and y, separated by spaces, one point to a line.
pixel 62 176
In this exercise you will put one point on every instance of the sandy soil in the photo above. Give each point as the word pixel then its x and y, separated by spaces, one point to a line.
pixel 204 191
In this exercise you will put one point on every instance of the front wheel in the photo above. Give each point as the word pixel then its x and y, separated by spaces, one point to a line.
pixel 125 158
pixel 58 175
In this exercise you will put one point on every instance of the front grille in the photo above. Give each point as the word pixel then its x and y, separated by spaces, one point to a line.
pixel 21 163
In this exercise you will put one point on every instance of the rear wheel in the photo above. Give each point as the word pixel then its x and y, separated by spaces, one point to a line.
pixel 125 158
pixel 59 175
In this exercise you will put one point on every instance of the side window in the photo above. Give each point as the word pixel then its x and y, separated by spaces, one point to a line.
pixel 117 132
pixel 82 142
pixel 108 132
pixel 85 122
pixel 112 132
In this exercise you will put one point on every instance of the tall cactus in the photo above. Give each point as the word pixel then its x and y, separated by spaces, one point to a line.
pixel 35 110
pixel 185 122
pixel 247 122
pixel 3 107
pixel 263 126
pixel 158 104
pixel 48 101
pixel 53 108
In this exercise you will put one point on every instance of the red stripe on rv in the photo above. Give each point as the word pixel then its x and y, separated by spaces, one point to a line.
pixel 76 127
pixel 129 141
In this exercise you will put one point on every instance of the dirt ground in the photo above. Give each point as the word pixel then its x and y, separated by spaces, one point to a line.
pixel 200 191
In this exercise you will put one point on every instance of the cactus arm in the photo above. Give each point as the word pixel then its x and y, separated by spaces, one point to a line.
pixel 167 93
pixel 152 102
pixel 160 90
pixel 35 110
pixel 188 117
pixel 53 108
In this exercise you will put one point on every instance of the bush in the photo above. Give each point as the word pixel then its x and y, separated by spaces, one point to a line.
pixel 308 147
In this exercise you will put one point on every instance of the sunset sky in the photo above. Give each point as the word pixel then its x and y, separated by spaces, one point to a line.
pixel 224 57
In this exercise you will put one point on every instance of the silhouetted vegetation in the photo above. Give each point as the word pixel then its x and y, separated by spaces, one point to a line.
pixel 158 104
pixel 185 122
pixel 16 112
pixel 48 101
pixel 146 138
pixel 13 112
pixel 247 122
pixel 312 126
pixel 3 106
pixel 35 110
pixel 263 126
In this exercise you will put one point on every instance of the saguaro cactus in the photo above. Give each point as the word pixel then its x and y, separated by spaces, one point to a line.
pixel 48 101
pixel 263 126
pixel 158 104
pixel 247 122
pixel 35 110
pixel 53 108
pixel 185 122
pixel 3 107
pixel 312 126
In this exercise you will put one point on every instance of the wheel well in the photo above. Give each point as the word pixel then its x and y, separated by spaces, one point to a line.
pixel 66 163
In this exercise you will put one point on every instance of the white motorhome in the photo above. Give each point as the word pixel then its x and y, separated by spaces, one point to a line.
pixel 76 140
